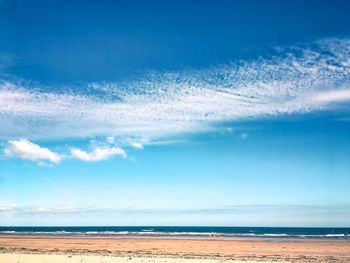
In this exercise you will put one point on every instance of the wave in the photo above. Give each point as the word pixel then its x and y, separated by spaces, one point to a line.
pixel 150 232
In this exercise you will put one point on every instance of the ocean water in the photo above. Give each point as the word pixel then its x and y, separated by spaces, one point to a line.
pixel 259 232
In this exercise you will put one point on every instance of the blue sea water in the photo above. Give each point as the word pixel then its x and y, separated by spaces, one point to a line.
pixel 182 231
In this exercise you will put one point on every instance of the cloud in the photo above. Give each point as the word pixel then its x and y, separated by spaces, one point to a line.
pixel 287 215
pixel 98 154
pixel 27 150
pixel 332 96
pixel 297 80
pixel 6 208
pixel 44 210
pixel 136 145
pixel 50 210
pixel 110 139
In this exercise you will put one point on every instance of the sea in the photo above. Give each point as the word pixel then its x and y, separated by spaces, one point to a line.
pixel 181 231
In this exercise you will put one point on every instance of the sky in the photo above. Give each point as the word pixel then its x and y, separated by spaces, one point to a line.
pixel 230 113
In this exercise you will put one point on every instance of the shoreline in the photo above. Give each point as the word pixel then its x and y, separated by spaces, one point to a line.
pixel 175 237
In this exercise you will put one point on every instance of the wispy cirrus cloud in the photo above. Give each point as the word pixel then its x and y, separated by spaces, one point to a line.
pixel 25 149
pixel 296 80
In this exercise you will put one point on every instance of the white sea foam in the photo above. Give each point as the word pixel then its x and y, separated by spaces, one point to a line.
pixel 174 233
pixel 275 235
pixel 335 235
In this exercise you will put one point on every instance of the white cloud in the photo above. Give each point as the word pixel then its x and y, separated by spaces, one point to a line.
pixel 6 208
pixel 136 145
pixel 110 139
pixel 53 210
pixel 168 104
pixel 98 154
pixel 332 96
pixel 27 150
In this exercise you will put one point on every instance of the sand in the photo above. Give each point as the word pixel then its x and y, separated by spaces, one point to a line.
pixel 170 250
pixel 26 258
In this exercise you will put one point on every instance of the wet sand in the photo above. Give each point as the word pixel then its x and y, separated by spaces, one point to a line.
pixel 171 250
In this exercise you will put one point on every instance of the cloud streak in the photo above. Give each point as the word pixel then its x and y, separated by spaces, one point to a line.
pixel 98 154
pixel 296 80
pixel 50 210
pixel 4 208
pixel 332 96
pixel 302 215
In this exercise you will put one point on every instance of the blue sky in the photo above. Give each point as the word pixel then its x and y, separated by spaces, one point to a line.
pixel 175 113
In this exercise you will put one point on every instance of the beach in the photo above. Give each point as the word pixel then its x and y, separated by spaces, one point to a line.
pixel 30 249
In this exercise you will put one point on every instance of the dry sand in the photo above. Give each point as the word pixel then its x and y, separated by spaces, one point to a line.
pixel 170 250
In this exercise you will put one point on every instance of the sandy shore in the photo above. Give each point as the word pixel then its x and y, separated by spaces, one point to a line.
pixel 42 258
pixel 171 250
